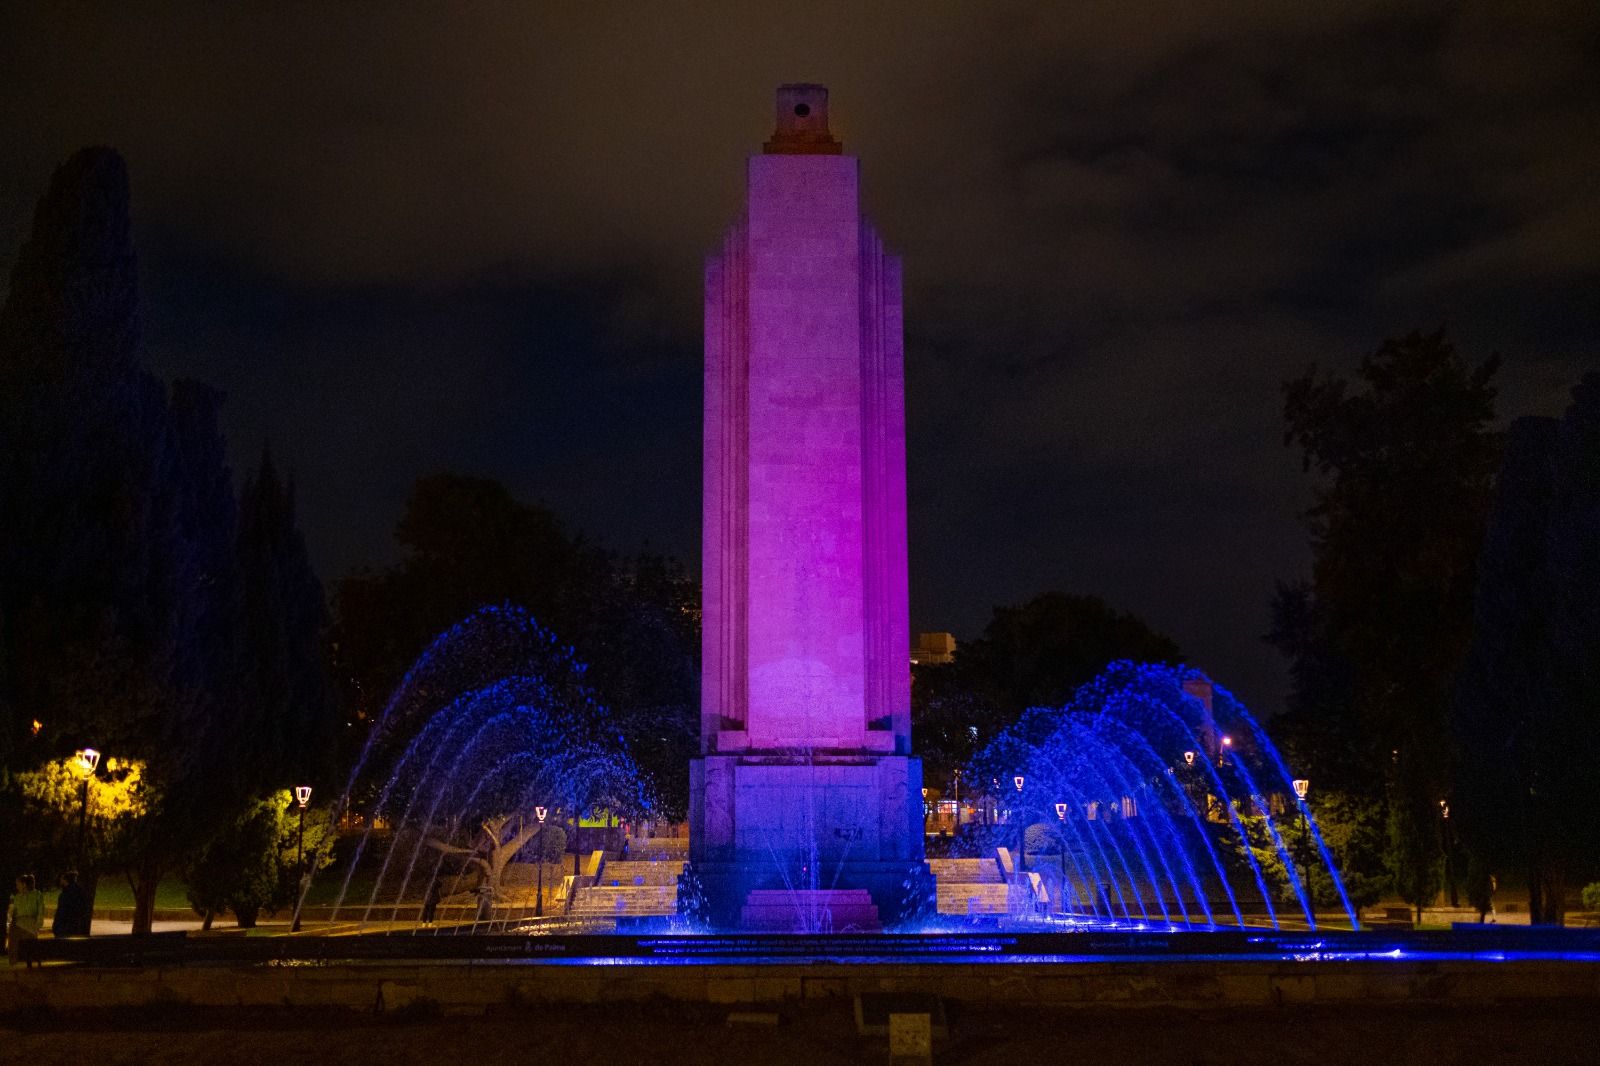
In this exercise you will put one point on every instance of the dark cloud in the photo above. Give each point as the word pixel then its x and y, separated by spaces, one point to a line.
pixel 414 236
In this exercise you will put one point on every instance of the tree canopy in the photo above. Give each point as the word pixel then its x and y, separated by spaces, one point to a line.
pixel 1036 654
pixel 1526 712
pixel 123 593
pixel 469 544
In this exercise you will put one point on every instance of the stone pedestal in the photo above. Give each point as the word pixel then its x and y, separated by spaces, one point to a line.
pixel 769 822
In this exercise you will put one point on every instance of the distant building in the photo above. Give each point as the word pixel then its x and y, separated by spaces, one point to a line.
pixel 933 648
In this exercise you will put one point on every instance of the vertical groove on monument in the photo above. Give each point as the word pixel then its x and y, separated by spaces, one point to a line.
pixel 726 407
pixel 805 807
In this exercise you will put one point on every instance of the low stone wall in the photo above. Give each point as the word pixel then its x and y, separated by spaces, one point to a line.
pixel 477 987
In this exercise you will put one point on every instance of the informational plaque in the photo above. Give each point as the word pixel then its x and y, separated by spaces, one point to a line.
pixel 910 1039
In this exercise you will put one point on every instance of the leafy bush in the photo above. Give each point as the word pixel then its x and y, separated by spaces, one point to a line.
pixel 250 865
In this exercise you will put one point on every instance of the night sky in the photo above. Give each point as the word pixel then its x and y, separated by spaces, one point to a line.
pixel 413 237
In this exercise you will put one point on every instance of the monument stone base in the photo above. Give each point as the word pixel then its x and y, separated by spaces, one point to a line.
pixel 807 825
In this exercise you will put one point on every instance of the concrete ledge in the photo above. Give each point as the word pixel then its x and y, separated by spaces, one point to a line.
pixel 476 987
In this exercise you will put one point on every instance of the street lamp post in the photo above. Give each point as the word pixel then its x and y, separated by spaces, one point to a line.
pixel 1302 788
pixel 1061 816
pixel 1022 828
pixel 302 796
pixel 86 760
pixel 538 902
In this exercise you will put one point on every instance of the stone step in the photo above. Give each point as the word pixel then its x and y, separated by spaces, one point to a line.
pixel 626 900
pixel 966 871
pixel 647 848
pixel 810 910
pixel 974 898
pixel 663 872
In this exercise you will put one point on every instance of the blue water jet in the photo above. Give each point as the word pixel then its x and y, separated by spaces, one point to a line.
pixel 1156 788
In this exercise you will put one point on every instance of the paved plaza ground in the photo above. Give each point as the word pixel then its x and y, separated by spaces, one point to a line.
pixel 1548 1033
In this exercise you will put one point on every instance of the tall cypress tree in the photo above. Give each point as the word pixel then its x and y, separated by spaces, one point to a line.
pixel 1405 456
pixel 207 578
pixel 115 569
pixel 85 475
pixel 1527 706
pixel 289 716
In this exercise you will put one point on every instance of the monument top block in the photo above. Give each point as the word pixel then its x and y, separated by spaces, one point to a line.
pixel 802 126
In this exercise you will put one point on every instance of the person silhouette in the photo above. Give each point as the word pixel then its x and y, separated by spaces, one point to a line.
pixel 430 903
pixel 72 917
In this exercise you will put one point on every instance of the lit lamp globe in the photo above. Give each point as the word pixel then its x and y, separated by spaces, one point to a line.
pixel 540 812
pixel 1301 788
pixel 86 760
pixel 302 795
pixel 1188 758
pixel 1018 782
pixel 1061 811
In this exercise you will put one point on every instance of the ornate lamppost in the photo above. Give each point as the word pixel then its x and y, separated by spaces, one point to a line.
pixel 1302 788
pixel 1022 828
pixel 1061 816
pixel 955 782
pixel 1449 865
pixel 302 797
pixel 85 761
pixel 538 902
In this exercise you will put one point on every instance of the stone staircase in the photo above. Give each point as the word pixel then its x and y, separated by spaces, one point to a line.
pixel 971 886
pixel 781 910
pixel 642 848
pixel 966 871
pixel 641 872
pixel 632 889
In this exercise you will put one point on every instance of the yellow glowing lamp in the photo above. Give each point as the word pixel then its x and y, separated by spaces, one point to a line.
pixel 302 795
pixel 86 760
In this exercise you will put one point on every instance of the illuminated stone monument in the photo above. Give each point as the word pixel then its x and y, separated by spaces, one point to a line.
pixel 805 792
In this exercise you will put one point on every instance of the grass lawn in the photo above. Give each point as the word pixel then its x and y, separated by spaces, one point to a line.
pixel 114 892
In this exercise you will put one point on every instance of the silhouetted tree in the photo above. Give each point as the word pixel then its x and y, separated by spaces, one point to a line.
pixel 640 637
pixel 1033 655
pixel 119 564
pixel 1404 455
pixel 85 474
pixel 111 581
pixel 469 544
pixel 288 715
pixel 1527 707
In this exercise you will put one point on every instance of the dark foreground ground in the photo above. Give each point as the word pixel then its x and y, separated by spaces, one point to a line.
pixel 1551 1032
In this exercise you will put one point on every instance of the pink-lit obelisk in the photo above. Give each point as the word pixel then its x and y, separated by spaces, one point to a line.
pixel 805 777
